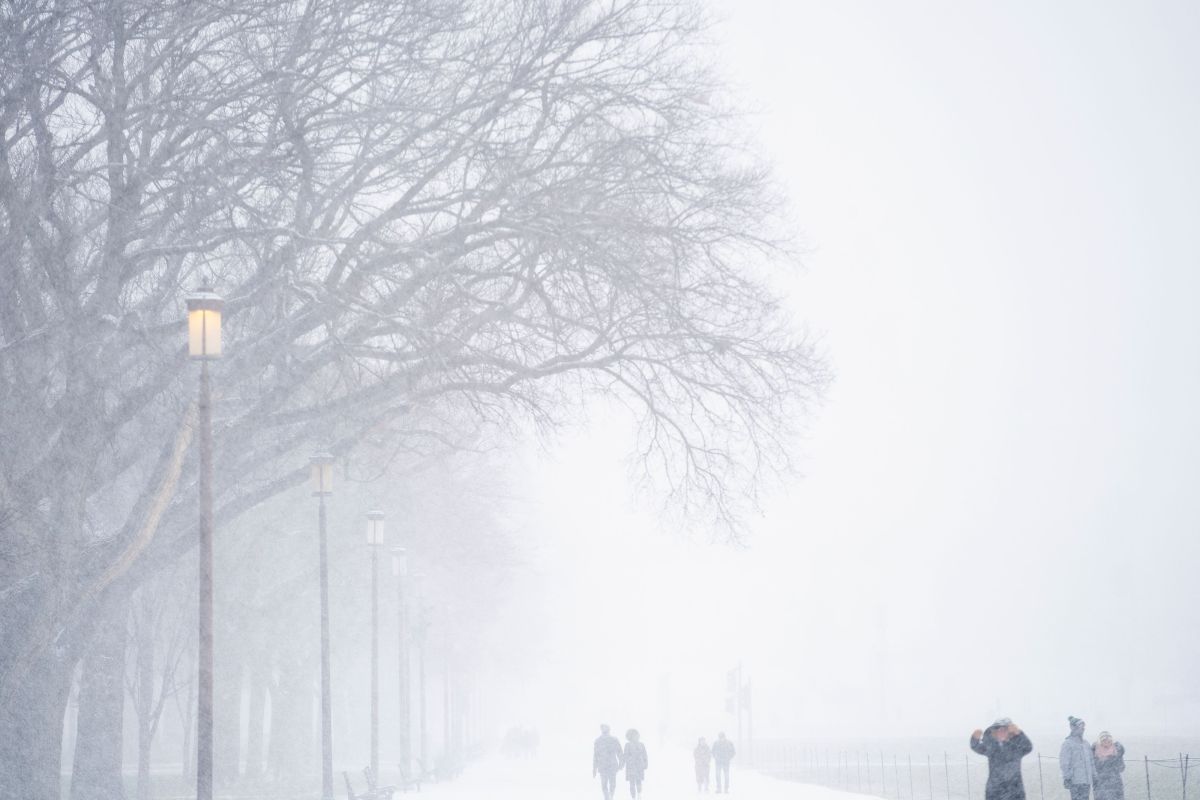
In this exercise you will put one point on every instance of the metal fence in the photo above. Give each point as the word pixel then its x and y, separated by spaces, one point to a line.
pixel 959 775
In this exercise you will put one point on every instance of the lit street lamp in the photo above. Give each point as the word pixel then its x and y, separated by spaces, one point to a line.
pixel 400 571
pixel 374 541
pixel 204 345
pixel 322 484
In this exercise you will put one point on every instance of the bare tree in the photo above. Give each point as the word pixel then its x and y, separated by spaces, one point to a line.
pixel 425 216
pixel 160 632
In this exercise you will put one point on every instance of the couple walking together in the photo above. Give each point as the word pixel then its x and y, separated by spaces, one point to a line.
pixel 722 752
pixel 608 759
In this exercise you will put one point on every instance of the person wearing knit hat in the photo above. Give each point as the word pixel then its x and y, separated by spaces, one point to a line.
pixel 1077 763
pixel 1109 759
pixel 1005 745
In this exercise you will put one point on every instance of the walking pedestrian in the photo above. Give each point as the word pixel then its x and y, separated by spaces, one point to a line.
pixel 636 762
pixel 1109 761
pixel 723 752
pixel 607 760
pixel 1077 762
pixel 1005 745
pixel 703 756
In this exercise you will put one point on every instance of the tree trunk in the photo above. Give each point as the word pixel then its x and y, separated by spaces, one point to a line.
pixel 227 715
pixel 254 735
pixel 31 730
pixel 295 751
pixel 146 699
pixel 187 720
pixel 98 748
pixel 145 741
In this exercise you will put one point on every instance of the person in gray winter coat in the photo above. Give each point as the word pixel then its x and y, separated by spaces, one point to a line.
pixel 607 760
pixel 1005 745
pixel 722 753
pixel 1077 762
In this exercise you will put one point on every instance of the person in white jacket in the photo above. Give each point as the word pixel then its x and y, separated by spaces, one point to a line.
pixel 1076 761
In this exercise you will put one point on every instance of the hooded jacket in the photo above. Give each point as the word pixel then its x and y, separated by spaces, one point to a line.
pixel 1004 764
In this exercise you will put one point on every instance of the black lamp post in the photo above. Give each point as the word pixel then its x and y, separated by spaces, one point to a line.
pixel 322 483
pixel 204 345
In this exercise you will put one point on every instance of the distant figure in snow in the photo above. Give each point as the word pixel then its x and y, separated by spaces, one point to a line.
pixel 636 762
pixel 703 756
pixel 1005 745
pixel 1109 758
pixel 722 753
pixel 1077 762
pixel 607 760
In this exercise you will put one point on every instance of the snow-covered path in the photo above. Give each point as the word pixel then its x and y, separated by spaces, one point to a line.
pixel 669 778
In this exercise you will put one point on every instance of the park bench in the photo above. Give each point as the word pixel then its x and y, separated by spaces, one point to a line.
pixel 447 768
pixel 427 774
pixel 408 782
pixel 373 792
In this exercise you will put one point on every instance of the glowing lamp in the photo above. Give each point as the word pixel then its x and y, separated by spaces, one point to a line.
pixel 322 474
pixel 204 324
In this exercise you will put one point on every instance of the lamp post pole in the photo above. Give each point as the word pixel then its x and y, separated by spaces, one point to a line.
pixel 422 638
pixel 374 540
pixel 322 472
pixel 400 567
pixel 204 716
pixel 375 662
pixel 204 344
pixel 447 680
pixel 326 694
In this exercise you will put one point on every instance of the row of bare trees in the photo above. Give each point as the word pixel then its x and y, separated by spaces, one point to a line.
pixel 267 644
pixel 429 219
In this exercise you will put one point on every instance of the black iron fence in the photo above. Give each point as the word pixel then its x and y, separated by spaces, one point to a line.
pixel 958 775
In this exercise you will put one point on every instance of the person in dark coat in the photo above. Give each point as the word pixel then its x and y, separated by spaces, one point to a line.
pixel 703 756
pixel 636 762
pixel 1005 745
pixel 723 752
pixel 607 760
pixel 1110 763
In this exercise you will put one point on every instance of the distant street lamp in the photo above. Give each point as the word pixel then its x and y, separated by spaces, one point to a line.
pixel 400 571
pixel 322 485
pixel 374 541
pixel 204 345
pixel 422 638
pixel 449 751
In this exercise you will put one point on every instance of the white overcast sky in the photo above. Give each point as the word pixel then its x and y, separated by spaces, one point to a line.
pixel 999 511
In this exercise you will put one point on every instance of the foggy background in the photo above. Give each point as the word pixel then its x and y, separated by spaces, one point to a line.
pixel 997 514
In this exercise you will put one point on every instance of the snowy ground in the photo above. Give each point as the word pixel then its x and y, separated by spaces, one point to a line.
pixel 670 777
